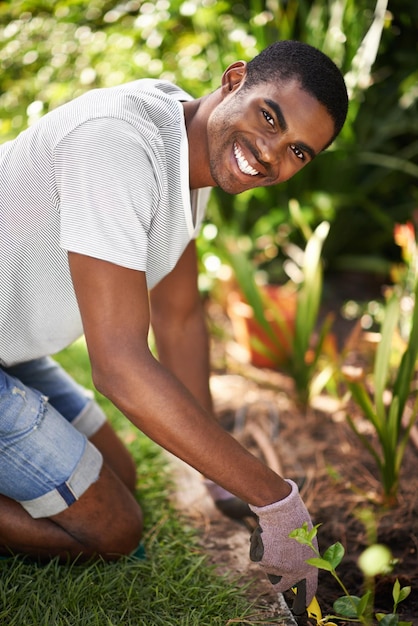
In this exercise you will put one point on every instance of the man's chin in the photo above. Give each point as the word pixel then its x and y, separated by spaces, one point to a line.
pixel 230 185
pixel 234 189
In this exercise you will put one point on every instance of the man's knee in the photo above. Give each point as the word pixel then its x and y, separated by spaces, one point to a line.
pixel 122 538
pixel 106 520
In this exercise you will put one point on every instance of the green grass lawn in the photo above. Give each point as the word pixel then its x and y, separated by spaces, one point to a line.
pixel 172 586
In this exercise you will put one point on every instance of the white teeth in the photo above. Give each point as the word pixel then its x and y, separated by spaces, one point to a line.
pixel 243 164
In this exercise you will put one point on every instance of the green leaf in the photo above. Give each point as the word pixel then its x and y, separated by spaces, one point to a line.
pixel 366 443
pixel 302 531
pixel 405 591
pixel 259 346
pixel 299 219
pixel 244 273
pixel 320 564
pixel 396 591
pixel 362 398
pixel 388 620
pixel 334 554
pixel 304 536
pixel 384 349
pixel 403 594
pixel 407 366
pixel 391 162
pixel 314 530
pixel 393 423
pixel 324 332
pixel 303 540
pixel 310 293
pixel 364 603
pixel 347 606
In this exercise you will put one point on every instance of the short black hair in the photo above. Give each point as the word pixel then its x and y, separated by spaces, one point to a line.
pixel 316 72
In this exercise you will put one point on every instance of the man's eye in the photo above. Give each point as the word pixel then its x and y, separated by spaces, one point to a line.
pixel 268 117
pixel 298 152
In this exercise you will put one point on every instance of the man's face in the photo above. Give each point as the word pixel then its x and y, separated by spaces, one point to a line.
pixel 264 135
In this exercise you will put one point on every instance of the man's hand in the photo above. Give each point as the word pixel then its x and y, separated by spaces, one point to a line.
pixel 283 559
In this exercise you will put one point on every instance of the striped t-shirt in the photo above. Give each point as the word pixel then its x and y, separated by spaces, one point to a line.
pixel 105 175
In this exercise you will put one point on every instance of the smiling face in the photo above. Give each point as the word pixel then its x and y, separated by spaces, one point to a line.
pixel 265 134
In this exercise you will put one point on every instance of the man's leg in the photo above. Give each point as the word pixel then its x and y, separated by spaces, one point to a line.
pixel 105 521
pixel 115 455
pixel 77 405
pixel 58 497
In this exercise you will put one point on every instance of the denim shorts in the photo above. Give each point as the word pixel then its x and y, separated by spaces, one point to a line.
pixel 46 460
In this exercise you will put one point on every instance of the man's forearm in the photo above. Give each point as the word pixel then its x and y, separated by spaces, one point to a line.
pixel 184 350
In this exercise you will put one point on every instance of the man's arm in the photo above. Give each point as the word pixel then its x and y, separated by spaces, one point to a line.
pixel 114 307
pixel 178 322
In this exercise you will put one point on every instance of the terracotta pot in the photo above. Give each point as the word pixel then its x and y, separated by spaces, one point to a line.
pixel 280 301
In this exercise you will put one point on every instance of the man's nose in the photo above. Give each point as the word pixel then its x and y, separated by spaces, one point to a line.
pixel 269 152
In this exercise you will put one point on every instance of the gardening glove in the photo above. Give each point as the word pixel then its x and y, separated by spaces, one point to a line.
pixel 283 558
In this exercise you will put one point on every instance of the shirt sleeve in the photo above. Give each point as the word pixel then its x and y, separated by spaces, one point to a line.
pixel 107 192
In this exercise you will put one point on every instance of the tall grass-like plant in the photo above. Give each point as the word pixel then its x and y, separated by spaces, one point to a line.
pixel 390 420
pixel 304 352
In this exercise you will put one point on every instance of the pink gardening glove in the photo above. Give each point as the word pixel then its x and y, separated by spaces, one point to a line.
pixel 284 559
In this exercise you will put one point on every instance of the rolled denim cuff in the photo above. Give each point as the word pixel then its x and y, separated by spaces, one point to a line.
pixel 90 420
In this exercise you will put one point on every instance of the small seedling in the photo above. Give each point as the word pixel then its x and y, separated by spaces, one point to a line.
pixel 375 560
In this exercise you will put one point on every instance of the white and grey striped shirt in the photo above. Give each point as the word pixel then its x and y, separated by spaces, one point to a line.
pixel 105 175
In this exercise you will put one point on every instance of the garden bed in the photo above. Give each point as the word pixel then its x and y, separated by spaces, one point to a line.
pixel 338 479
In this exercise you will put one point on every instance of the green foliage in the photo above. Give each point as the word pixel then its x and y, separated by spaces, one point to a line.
pixel 399 594
pixel 51 52
pixel 366 181
pixel 349 607
pixel 386 420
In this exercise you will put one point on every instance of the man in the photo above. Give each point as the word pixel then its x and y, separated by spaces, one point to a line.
pixel 101 200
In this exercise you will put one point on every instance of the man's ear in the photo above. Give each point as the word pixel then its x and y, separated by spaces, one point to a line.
pixel 233 77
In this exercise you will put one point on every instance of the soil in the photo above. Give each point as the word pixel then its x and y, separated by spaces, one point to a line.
pixel 338 479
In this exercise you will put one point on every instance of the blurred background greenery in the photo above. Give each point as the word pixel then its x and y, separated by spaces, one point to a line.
pixel 51 52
